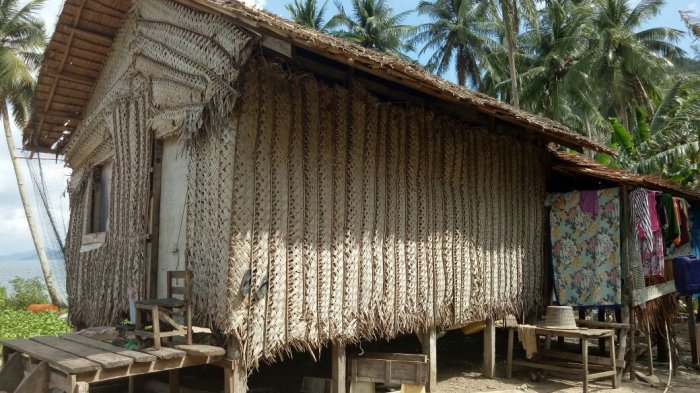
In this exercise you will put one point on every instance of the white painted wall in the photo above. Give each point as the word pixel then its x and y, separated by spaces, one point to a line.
pixel 173 220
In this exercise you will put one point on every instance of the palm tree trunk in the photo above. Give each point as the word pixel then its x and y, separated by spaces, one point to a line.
pixel 509 21
pixel 43 260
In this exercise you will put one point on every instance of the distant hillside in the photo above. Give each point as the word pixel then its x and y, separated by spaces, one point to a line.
pixel 19 256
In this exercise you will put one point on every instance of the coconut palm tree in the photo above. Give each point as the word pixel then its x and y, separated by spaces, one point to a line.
pixel 628 64
pixel 307 13
pixel 459 35
pixel 553 82
pixel 667 143
pixel 510 18
pixel 373 24
pixel 22 39
pixel 692 20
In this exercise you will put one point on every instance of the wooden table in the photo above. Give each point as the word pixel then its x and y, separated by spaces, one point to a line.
pixel 567 362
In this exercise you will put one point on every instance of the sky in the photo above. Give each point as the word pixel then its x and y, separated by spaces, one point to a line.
pixel 14 232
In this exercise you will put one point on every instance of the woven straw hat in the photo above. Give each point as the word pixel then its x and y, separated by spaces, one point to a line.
pixel 560 317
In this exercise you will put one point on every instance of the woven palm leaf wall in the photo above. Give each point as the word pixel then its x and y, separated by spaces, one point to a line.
pixel 355 218
pixel 172 70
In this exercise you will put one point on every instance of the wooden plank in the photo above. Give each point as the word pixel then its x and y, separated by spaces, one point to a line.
pixel 164 353
pixel 429 345
pixel 58 359
pixel 139 357
pixel 490 349
pixel 338 368
pixel 601 325
pixel 104 358
pixel 656 291
pixel 599 360
pixel 201 350
pixel 411 357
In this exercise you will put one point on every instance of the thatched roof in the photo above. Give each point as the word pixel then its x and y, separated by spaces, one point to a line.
pixel 85 30
pixel 71 67
pixel 578 165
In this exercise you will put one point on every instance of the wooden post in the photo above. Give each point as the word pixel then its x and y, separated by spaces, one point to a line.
pixel 339 368
pixel 584 353
pixel 235 377
pixel 490 349
pixel 509 359
pixel 429 344
pixel 622 343
pixel 616 379
pixel 154 220
pixel 601 341
pixel 691 329
pixel 174 380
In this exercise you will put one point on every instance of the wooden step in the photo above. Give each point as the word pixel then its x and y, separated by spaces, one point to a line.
pixel 12 373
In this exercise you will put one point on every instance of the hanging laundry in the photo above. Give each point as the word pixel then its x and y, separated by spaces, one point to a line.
pixel 673 229
pixel 650 235
pixel 642 215
pixel 682 209
pixel 695 230
pixel 653 261
pixel 586 249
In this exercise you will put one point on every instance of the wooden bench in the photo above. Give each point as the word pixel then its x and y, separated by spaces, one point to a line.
pixel 72 362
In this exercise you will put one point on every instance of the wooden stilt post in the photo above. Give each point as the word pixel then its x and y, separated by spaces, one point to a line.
pixel 490 349
pixel 235 377
pixel 174 380
pixel 339 368
pixel 429 344
pixel 691 329
pixel 622 343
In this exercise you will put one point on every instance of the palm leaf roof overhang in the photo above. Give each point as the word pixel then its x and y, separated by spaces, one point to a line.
pixel 85 30
pixel 70 69
pixel 577 165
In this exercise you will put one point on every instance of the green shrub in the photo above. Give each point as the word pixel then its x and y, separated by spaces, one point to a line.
pixel 26 291
pixel 24 324
pixel 3 297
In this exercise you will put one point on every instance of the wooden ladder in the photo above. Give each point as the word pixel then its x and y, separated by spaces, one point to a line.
pixel 14 380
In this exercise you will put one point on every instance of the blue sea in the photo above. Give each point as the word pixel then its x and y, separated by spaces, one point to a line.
pixel 26 268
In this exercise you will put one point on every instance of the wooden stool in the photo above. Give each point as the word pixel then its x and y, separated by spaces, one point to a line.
pixel 165 309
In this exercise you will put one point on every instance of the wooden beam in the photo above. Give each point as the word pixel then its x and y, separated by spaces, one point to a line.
pixel 62 115
pixel 490 349
pixel 89 34
pixel 339 370
pixel 656 291
pixel 429 344
pixel 67 76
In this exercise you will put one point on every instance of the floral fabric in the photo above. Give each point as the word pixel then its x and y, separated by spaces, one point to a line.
pixel 653 261
pixel 586 250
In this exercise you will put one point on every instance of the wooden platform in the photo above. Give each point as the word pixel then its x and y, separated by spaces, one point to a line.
pixel 75 361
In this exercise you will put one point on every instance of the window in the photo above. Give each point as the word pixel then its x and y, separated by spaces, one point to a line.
pixel 98 215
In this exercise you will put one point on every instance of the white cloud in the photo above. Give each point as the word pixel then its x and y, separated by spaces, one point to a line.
pixel 255 3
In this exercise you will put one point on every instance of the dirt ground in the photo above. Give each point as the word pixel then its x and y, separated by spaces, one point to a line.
pixel 464 376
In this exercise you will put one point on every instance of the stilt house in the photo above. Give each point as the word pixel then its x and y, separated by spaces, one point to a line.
pixel 318 191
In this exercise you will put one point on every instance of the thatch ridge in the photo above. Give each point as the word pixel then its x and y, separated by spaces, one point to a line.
pixel 383 65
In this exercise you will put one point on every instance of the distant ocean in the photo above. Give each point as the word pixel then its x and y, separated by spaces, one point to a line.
pixel 25 268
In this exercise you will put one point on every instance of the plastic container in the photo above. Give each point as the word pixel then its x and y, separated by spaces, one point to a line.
pixel 686 273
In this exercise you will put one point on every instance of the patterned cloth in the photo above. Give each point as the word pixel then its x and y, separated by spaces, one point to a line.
pixel 586 250
pixel 642 216
pixel 653 261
